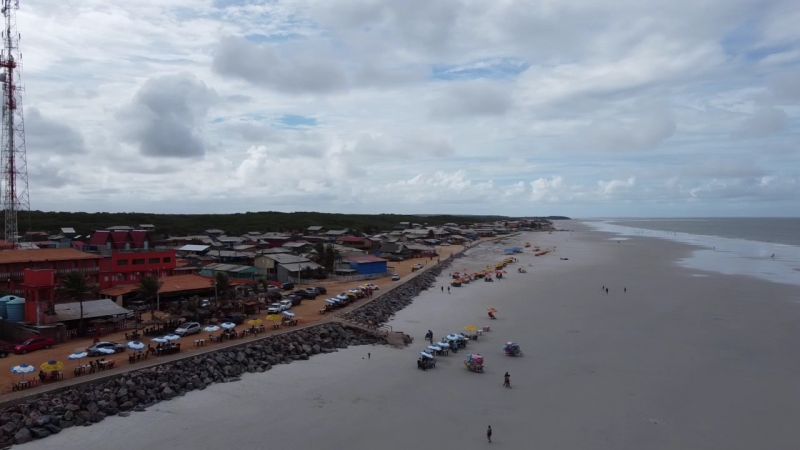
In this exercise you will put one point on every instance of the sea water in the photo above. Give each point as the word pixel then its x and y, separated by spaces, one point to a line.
pixel 764 248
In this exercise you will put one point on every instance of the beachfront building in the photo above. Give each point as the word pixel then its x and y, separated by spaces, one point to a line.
pixel 368 265
pixel 61 260
pixel 118 238
pixel 286 267
pixel 233 271
pixel 130 267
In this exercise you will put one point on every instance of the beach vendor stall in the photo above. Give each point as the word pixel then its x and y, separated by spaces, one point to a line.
pixel 474 362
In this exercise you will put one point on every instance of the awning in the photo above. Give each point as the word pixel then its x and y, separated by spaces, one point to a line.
pixel 91 309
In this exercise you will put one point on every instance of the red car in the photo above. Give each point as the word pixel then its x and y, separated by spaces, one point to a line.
pixel 34 343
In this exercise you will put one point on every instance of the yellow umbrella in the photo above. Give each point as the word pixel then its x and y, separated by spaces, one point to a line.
pixel 52 366
pixel 255 322
pixel 274 317
pixel 471 329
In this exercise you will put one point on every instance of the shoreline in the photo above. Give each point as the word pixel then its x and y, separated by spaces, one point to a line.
pixel 670 364
pixel 25 411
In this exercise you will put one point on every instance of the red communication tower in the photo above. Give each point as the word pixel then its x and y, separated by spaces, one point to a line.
pixel 15 165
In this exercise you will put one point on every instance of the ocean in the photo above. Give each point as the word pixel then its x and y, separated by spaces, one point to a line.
pixel 765 248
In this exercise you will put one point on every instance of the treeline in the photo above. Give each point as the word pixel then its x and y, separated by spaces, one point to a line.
pixel 233 224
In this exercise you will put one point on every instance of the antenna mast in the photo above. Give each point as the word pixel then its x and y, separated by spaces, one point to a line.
pixel 14 161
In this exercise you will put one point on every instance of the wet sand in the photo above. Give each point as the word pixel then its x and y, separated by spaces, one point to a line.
pixel 680 361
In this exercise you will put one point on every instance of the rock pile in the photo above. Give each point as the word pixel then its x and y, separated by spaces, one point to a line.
pixel 380 310
pixel 49 413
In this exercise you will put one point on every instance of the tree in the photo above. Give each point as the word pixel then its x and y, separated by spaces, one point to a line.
pixel 76 287
pixel 328 258
pixel 223 284
pixel 148 288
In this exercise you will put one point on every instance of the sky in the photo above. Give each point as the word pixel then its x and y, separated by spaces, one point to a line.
pixel 588 109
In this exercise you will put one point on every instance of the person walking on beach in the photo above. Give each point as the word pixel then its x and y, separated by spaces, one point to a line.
pixel 448 289
pixel 625 289
pixel 489 434
pixel 507 380
pixel 442 288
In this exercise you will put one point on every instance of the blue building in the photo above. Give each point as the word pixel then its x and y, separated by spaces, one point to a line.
pixel 367 264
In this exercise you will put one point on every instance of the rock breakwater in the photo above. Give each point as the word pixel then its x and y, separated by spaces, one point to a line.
pixel 83 405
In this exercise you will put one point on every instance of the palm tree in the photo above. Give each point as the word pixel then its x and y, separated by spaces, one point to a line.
pixel 148 288
pixel 222 283
pixel 75 286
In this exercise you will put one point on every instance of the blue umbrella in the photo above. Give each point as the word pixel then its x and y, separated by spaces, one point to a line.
pixel 136 345
pixel 172 337
pixel 106 351
pixel 79 355
pixel 211 329
pixel 160 340
pixel 228 325
pixel 23 369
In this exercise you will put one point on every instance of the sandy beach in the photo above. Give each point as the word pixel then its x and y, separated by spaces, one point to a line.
pixel 683 360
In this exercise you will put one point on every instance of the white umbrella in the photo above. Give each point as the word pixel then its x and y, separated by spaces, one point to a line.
pixel 136 345
pixel 172 337
pixel 228 325
pixel 23 369
pixel 211 329
pixel 79 355
pixel 106 351
pixel 160 340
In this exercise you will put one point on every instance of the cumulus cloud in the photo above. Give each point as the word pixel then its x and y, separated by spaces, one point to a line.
pixel 46 135
pixel 630 133
pixel 165 118
pixel 472 99
pixel 285 68
pixel 763 122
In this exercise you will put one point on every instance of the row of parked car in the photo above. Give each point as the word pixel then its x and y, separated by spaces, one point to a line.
pixel 295 298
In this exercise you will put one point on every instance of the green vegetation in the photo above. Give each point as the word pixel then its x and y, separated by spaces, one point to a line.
pixel 233 224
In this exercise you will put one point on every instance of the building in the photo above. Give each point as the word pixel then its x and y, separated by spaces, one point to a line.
pixel 286 267
pixel 233 271
pixel 130 267
pixel 61 260
pixel 118 238
pixel 360 243
pixel 367 265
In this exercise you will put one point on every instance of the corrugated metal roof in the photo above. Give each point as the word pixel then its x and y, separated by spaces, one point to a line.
pixel 296 267
pixel 91 309
pixel 194 248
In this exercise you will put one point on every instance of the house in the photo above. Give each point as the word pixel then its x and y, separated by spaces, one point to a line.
pixel 367 264
pixel 355 242
pixel 333 235
pixel 193 249
pixel 298 246
pixel 420 250
pixel 286 267
pixel 130 267
pixel 315 229
pixel 233 271
pixel 63 260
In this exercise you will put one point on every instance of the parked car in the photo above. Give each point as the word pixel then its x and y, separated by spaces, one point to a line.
pixel 286 304
pixel 287 286
pixel 295 299
pixel 395 277
pixel 34 343
pixel 188 328
pixel 302 294
pixel 312 292
pixel 321 290
pixel 343 297
pixel 95 349
pixel 417 267
pixel 236 318
pixel 373 286
pixel 275 308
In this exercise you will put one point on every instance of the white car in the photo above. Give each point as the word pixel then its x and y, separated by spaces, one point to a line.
pixel 275 308
pixel 286 305
pixel 188 328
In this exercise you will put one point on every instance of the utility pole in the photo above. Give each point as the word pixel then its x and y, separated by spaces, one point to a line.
pixel 14 160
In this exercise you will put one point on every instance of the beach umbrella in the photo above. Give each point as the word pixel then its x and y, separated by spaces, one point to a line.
pixel 172 337
pixel 211 329
pixel 255 322
pixel 136 345
pixel 106 351
pixel 160 340
pixel 52 366
pixel 471 329
pixel 78 355
pixel 22 369
pixel 228 325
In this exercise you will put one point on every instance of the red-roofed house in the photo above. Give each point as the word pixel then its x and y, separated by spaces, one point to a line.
pixel 361 243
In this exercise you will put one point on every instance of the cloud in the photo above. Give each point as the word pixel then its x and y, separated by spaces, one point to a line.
pixel 285 68
pixel 45 135
pixel 632 133
pixel 472 99
pixel 613 187
pixel 165 118
pixel 763 122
